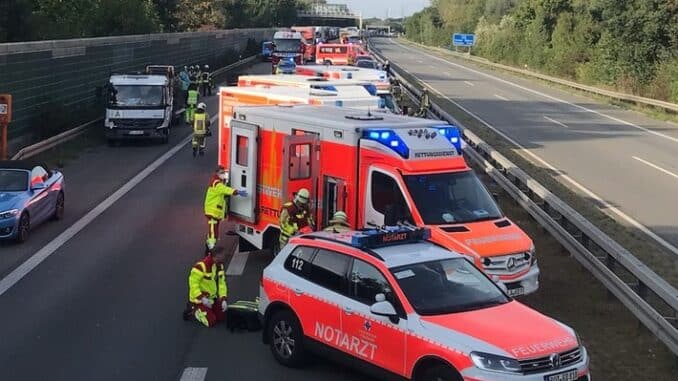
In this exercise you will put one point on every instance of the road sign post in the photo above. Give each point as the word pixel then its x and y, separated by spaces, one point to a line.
pixel 464 39
pixel 5 118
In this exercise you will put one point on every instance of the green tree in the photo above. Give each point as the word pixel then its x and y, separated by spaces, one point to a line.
pixel 196 14
pixel 120 17
pixel 14 20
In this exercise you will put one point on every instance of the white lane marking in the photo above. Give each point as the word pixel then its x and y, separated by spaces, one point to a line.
pixel 671 138
pixel 603 203
pixel 447 73
pixel 32 262
pixel 556 122
pixel 500 97
pixel 194 374
pixel 665 171
pixel 237 264
pixel 469 83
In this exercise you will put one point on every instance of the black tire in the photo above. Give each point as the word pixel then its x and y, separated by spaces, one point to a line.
pixel 59 208
pixel 24 228
pixel 286 339
pixel 439 372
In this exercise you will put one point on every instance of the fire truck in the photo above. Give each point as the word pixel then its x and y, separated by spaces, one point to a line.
pixel 287 45
pixel 308 34
pixel 381 169
pixel 377 77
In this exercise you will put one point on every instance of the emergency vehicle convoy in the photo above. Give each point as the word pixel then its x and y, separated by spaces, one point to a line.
pixel 336 54
pixel 397 305
pixel 380 169
pixel 377 77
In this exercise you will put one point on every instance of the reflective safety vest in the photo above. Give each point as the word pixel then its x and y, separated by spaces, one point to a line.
pixel 205 77
pixel 337 228
pixel 192 97
pixel 207 279
pixel 200 123
pixel 292 219
pixel 215 199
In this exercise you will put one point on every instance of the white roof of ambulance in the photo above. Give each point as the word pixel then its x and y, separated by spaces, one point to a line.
pixel 301 93
pixel 331 118
pixel 304 79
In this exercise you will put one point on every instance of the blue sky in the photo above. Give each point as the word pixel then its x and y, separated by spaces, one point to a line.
pixel 379 8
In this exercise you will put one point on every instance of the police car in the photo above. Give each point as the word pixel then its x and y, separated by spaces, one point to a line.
pixel 392 302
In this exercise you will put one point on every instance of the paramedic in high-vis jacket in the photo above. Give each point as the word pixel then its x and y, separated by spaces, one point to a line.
pixel 295 217
pixel 216 204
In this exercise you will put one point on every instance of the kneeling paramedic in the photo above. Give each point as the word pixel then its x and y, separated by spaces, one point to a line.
pixel 201 124
pixel 295 217
pixel 207 290
pixel 216 204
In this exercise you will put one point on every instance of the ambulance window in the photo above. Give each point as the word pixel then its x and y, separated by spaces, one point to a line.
pixel 300 161
pixel 299 262
pixel 365 282
pixel 329 270
pixel 387 196
pixel 242 148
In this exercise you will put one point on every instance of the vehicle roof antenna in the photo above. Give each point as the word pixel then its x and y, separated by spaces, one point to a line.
pixel 369 113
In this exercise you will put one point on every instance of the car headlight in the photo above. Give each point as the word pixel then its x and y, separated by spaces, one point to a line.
pixel 495 363
pixel 8 214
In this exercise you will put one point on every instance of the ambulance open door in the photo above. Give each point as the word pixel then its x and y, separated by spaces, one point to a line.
pixel 243 168
pixel 300 169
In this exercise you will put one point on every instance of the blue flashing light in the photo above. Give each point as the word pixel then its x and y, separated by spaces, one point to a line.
pixel 390 140
pixel 372 89
pixel 325 87
pixel 339 103
pixel 453 134
pixel 349 76
pixel 388 236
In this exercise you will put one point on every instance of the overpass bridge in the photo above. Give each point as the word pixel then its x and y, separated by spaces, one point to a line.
pixel 330 14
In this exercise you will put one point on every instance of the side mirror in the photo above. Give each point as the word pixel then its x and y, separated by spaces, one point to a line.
pixel 38 186
pixel 382 307
pixel 495 279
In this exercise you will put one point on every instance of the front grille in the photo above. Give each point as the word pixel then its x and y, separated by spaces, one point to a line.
pixel 507 264
pixel 137 123
pixel 544 364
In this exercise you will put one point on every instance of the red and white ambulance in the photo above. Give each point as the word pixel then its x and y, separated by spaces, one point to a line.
pixel 394 304
pixel 378 168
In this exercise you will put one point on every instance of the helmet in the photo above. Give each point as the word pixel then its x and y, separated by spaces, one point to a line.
pixel 302 196
pixel 202 106
pixel 339 217
pixel 207 67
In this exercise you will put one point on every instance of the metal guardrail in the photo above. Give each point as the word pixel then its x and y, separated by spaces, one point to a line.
pixel 667 106
pixel 68 135
pixel 595 250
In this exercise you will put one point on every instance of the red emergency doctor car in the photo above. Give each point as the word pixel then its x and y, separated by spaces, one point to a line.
pixel 395 304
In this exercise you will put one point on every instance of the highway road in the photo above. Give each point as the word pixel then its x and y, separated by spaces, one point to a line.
pixel 622 161
pixel 106 303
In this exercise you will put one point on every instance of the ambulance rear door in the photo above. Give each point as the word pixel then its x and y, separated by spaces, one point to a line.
pixel 244 158
pixel 300 170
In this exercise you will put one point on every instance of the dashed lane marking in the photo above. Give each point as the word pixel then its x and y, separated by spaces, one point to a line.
pixel 33 261
pixel 194 374
pixel 556 122
pixel 469 83
pixel 500 97
pixel 660 169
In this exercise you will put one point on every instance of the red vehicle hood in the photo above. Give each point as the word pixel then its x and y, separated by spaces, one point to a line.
pixel 521 332
pixel 484 238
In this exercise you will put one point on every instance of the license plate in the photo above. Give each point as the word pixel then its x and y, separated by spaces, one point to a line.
pixel 135 132
pixel 516 291
pixel 570 375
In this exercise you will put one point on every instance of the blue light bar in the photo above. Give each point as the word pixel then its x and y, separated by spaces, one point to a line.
pixel 339 103
pixel 389 139
pixel 452 133
pixel 389 235
pixel 372 89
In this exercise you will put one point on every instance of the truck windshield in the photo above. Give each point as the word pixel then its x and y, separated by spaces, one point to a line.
pixel 13 180
pixel 136 96
pixel 447 286
pixel 451 198
pixel 287 45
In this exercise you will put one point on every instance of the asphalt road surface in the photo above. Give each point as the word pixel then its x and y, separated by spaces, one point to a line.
pixel 625 162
